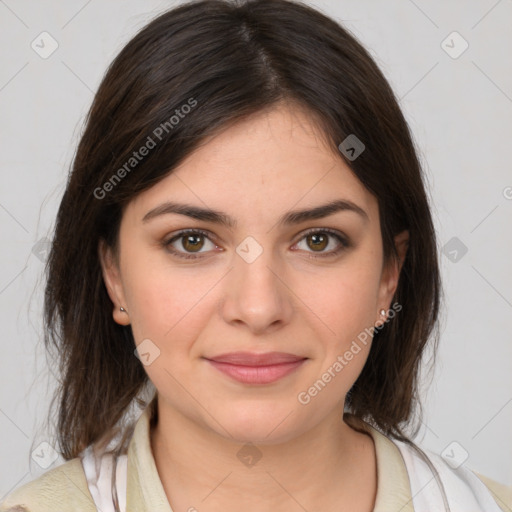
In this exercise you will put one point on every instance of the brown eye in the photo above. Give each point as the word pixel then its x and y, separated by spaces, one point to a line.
pixel 319 241
pixel 189 244
pixel 192 242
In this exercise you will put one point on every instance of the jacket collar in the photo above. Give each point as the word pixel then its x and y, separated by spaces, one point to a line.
pixel 145 492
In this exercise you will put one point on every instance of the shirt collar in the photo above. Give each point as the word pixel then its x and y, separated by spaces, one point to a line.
pixel 393 486
pixel 145 492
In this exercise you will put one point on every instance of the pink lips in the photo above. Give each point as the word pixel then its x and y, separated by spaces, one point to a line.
pixel 253 368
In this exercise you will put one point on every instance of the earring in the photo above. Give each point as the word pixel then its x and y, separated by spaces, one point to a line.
pixel 122 309
pixel 382 313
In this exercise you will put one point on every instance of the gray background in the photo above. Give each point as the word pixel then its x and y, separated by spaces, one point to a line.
pixel 460 112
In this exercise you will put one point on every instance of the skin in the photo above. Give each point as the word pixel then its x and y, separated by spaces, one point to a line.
pixel 285 300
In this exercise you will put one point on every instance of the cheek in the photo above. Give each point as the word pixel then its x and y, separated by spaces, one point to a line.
pixel 170 306
pixel 171 314
pixel 344 300
pixel 346 304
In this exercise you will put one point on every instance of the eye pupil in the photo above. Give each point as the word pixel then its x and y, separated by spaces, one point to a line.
pixel 192 239
pixel 319 241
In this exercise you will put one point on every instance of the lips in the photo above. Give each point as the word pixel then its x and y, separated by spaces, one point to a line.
pixel 250 368
pixel 252 359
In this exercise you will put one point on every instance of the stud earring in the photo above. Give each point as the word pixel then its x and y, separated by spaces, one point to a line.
pixel 122 309
pixel 380 323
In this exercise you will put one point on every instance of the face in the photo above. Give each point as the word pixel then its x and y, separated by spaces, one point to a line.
pixel 262 281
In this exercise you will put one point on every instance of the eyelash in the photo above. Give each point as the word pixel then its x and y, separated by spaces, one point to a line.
pixel 344 243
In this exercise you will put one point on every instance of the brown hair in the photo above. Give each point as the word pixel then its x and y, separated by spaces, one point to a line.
pixel 228 60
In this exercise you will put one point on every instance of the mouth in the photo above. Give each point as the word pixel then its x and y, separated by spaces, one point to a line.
pixel 252 368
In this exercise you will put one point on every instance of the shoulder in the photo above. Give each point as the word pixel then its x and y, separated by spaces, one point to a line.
pixel 64 487
pixel 502 493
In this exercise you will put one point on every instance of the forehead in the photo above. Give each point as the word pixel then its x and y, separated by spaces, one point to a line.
pixel 263 165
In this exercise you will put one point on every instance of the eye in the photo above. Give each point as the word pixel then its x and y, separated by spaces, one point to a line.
pixel 188 244
pixel 191 241
pixel 319 239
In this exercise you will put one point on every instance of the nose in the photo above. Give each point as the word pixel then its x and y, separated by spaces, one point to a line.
pixel 255 294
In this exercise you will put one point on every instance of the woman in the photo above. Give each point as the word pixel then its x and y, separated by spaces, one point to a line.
pixel 245 250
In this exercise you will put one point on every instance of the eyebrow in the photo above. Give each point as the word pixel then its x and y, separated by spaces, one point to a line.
pixel 289 218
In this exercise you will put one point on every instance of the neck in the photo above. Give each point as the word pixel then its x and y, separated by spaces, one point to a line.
pixel 200 468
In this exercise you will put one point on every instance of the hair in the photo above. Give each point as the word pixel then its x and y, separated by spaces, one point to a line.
pixel 190 72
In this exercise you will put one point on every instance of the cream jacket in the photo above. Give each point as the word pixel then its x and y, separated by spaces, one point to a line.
pixel 65 487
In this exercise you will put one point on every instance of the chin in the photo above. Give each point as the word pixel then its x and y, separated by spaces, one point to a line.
pixel 257 424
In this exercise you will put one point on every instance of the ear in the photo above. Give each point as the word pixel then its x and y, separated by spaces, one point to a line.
pixel 391 273
pixel 113 283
